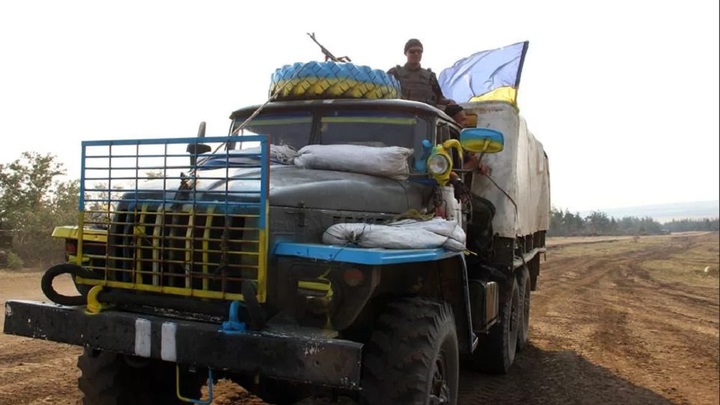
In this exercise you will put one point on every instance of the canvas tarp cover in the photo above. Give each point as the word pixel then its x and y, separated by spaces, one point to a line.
pixel 521 169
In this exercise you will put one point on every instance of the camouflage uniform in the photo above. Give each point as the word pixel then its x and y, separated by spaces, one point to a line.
pixel 418 84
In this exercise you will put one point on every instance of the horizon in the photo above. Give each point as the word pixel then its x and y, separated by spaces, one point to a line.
pixel 691 210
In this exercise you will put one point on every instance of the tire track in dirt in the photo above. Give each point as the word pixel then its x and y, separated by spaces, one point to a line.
pixel 23 350
pixel 604 331
pixel 686 318
pixel 38 372
pixel 34 372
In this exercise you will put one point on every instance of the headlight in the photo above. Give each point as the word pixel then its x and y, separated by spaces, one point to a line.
pixel 438 164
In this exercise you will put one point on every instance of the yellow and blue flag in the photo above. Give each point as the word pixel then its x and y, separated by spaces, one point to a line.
pixel 487 75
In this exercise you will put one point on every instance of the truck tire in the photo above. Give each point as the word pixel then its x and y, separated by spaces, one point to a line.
pixel 331 80
pixel 496 352
pixel 524 313
pixel 412 355
pixel 107 379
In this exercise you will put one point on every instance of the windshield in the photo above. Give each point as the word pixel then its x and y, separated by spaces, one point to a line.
pixel 292 129
pixel 370 128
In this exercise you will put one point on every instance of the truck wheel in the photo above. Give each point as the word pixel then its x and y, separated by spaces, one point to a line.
pixel 496 352
pixel 524 312
pixel 328 80
pixel 107 379
pixel 412 356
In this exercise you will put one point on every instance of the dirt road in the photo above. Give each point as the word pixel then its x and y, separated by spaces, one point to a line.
pixel 613 322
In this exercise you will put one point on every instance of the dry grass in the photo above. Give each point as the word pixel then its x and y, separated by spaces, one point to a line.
pixel 572 240
pixel 696 264
pixel 590 246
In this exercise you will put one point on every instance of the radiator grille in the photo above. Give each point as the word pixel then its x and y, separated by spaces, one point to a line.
pixel 200 234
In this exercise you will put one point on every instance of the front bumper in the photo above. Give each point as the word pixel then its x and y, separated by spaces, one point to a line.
pixel 278 352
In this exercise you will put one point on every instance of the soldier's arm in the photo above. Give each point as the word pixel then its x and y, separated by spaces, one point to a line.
pixel 393 72
pixel 441 99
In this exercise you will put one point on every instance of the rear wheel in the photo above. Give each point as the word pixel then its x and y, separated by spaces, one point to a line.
pixel 109 379
pixel 412 356
pixel 524 313
pixel 496 352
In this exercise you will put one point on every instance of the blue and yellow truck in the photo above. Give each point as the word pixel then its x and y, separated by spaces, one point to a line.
pixel 205 257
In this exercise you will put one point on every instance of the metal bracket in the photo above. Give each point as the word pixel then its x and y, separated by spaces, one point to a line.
pixel 233 324
pixel 94 306
pixel 190 400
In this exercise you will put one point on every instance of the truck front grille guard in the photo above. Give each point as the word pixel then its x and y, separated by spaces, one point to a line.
pixel 172 227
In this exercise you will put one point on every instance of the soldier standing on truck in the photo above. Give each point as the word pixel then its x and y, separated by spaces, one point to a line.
pixel 417 83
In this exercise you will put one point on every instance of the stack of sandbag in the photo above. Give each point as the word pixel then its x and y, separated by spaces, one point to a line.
pixel 405 234
pixel 388 161
pixel 284 154
pixel 279 154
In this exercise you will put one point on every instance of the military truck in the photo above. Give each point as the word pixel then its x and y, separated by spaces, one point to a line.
pixel 206 257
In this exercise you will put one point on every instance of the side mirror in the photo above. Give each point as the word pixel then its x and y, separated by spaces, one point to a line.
pixel 201 130
pixel 195 149
pixel 482 140
pixel 198 148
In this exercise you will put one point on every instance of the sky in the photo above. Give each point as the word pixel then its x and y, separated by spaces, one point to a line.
pixel 623 95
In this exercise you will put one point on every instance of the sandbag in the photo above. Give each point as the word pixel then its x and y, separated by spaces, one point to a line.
pixel 436 225
pixel 279 154
pixel 455 234
pixel 382 236
pixel 389 161
pixel 284 154
pixel 407 234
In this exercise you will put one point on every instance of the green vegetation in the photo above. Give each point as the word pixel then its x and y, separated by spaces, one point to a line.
pixel 32 202
pixel 14 262
pixel 565 223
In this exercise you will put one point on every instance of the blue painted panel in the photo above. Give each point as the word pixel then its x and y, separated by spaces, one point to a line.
pixel 361 255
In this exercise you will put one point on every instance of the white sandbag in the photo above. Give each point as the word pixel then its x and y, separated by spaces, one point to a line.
pixel 284 154
pixel 389 161
pixel 405 234
pixel 453 245
pixel 279 154
pixel 436 225
pixel 382 236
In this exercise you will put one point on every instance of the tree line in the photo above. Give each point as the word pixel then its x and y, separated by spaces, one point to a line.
pixel 34 200
pixel 565 223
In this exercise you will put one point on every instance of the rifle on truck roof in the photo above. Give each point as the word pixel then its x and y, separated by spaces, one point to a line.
pixel 328 54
